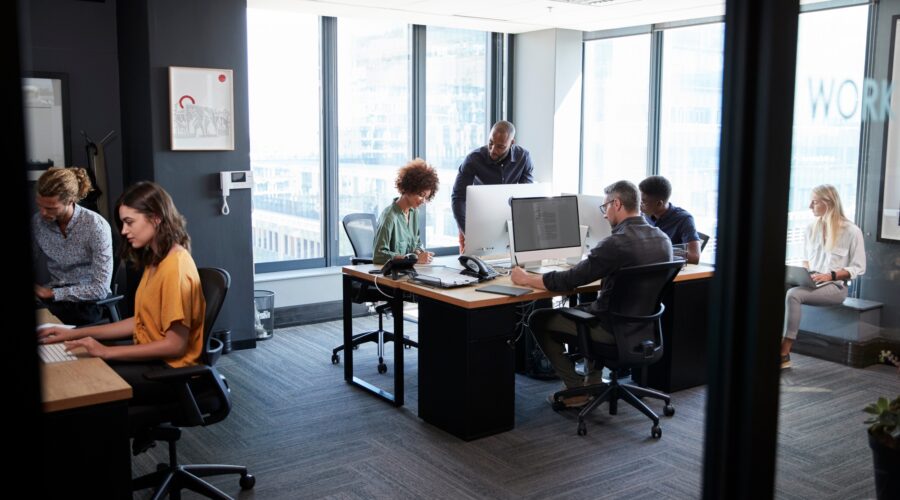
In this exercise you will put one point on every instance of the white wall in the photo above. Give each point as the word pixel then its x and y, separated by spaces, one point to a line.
pixel 547 103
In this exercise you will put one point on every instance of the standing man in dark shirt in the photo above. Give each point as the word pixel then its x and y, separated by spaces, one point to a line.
pixel 633 242
pixel 500 162
pixel 674 221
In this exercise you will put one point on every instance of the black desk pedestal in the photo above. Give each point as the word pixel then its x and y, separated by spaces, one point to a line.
pixel 86 453
pixel 685 326
pixel 466 368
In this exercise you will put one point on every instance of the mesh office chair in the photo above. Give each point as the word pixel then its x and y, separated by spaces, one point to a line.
pixel 203 398
pixel 360 230
pixel 110 304
pixel 704 239
pixel 633 318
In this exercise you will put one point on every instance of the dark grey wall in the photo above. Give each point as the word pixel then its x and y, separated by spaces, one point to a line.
pixel 882 279
pixel 154 35
pixel 79 38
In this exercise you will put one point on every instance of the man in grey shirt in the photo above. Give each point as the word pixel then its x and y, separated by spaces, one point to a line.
pixel 502 161
pixel 633 242
pixel 76 245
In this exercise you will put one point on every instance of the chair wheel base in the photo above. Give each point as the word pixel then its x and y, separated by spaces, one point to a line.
pixel 382 368
pixel 335 359
pixel 668 410
pixel 582 428
pixel 248 482
pixel 656 432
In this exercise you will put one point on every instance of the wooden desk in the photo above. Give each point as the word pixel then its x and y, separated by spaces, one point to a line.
pixel 466 350
pixel 85 437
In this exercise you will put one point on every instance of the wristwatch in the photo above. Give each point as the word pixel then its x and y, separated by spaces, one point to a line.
pixel 833 276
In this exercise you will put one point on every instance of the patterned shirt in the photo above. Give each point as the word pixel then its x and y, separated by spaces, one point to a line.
pixel 80 263
pixel 478 168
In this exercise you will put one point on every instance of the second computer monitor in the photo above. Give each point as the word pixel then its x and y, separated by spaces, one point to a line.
pixel 545 228
pixel 591 216
pixel 487 210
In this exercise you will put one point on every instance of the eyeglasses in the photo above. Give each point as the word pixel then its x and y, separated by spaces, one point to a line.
pixel 603 206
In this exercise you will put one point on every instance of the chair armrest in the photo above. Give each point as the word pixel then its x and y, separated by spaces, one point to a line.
pixel 181 379
pixel 176 374
pixel 360 260
pixel 662 308
pixel 577 315
pixel 112 299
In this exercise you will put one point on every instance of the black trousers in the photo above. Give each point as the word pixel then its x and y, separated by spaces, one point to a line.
pixel 74 313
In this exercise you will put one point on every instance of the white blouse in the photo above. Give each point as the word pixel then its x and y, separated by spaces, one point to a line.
pixel 848 252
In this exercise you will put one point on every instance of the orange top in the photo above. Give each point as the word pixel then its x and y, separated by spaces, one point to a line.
pixel 171 295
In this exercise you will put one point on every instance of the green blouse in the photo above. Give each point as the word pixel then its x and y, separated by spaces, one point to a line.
pixel 396 236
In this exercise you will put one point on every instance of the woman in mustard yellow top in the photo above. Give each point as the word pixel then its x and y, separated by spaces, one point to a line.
pixel 167 326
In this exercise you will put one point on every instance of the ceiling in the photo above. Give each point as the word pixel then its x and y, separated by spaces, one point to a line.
pixel 511 16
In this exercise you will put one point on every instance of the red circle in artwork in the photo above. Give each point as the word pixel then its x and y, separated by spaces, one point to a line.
pixel 222 78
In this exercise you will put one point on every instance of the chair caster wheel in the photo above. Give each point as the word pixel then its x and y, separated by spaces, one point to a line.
pixel 558 406
pixel 335 359
pixel 668 410
pixel 356 348
pixel 247 482
pixel 382 368
pixel 582 429
pixel 656 432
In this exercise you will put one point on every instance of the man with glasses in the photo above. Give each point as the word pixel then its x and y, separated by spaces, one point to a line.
pixel 502 161
pixel 633 242
pixel 676 222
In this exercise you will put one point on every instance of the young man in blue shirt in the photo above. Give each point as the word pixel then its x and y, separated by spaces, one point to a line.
pixel 676 222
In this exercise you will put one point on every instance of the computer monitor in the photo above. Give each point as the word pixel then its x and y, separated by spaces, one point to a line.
pixel 487 210
pixel 545 228
pixel 590 216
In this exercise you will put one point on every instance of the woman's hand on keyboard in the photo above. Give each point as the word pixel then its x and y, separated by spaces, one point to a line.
pixel 90 345
pixel 54 334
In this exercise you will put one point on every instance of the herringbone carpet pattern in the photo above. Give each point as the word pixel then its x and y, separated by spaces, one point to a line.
pixel 305 434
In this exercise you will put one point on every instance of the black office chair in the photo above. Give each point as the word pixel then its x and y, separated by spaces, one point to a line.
pixel 633 318
pixel 203 398
pixel 110 304
pixel 360 230
pixel 704 239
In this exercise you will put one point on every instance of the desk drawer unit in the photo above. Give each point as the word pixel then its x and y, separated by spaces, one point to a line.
pixel 466 368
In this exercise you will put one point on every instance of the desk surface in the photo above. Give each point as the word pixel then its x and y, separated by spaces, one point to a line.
pixel 468 298
pixel 85 382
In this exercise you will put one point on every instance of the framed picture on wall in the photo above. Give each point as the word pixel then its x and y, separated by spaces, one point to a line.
pixel 201 109
pixel 889 223
pixel 45 102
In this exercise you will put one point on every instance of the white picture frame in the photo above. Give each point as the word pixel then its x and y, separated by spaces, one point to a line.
pixel 201 109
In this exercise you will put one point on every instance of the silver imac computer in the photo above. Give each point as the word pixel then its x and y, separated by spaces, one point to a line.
pixel 545 228
pixel 487 210
pixel 590 216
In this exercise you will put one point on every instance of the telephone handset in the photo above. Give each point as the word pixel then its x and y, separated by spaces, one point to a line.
pixel 404 265
pixel 473 266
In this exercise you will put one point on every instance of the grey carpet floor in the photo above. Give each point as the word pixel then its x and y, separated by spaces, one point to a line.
pixel 304 433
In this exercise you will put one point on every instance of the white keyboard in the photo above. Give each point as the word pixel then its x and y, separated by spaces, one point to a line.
pixel 54 353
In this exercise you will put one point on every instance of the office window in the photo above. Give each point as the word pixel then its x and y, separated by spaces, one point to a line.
pixel 284 135
pixel 455 117
pixel 616 90
pixel 831 50
pixel 690 121
pixel 373 114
